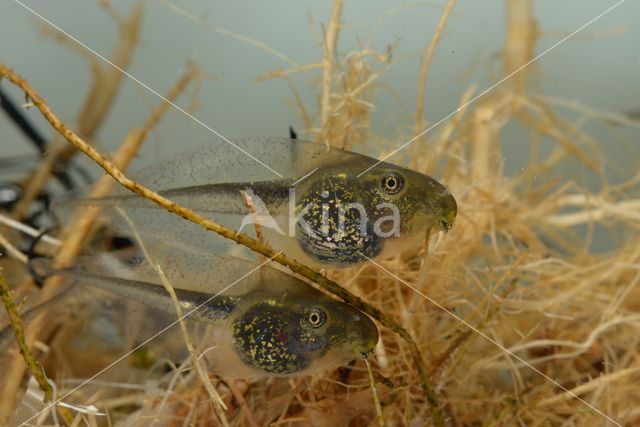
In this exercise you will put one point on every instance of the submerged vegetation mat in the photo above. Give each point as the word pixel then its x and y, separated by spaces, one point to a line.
pixel 511 318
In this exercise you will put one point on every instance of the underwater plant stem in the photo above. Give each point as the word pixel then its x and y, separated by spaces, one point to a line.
pixel 519 43
pixel 329 47
pixel 376 398
pixel 483 147
pixel 589 386
pixel 252 211
pixel 202 373
pixel 104 89
pixel 256 225
pixel 240 238
pixel 492 114
pixel 36 181
pixel 463 336
pixel 242 402
pixel 16 324
pixel 107 81
pixel 82 224
pixel 11 250
pixel 427 57
pixel 32 364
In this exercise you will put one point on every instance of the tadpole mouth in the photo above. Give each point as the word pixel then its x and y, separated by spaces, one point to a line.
pixel 367 348
pixel 363 335
pixel 445 223
pixel 445 226
pixel 366 354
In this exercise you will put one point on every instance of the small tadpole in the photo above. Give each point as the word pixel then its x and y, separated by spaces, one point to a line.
pixel 292 133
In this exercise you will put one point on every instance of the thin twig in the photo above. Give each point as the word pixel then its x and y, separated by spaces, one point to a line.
pixel 105 86
pixel 29 231
pixel 242 239
pixel 197 363
pixel 585 388
pixel 462 337
pixel 376 399
pixel 426 63
pixel 519 45
pixel 107 82
pixel 244 406
pixel 252 211
pixel 82 227
pixel 32 364
pixel 12 251
pixel 330 40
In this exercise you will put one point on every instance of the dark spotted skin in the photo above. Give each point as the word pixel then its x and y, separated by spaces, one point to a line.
pixel 331 231
pixel 264 337
pixel 347 217
pixel 338 216
pixel 318 232
pixel 274 336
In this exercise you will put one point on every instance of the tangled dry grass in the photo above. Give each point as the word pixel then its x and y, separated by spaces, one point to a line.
pixel 516 317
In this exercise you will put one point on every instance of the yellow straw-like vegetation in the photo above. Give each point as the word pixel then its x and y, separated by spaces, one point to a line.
pixel 509 319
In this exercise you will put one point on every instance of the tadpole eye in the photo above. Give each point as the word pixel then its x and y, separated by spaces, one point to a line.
pixel 316 317
pixel 392 182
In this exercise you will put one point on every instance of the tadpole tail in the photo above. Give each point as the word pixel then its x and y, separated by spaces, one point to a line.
pixel 221 198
